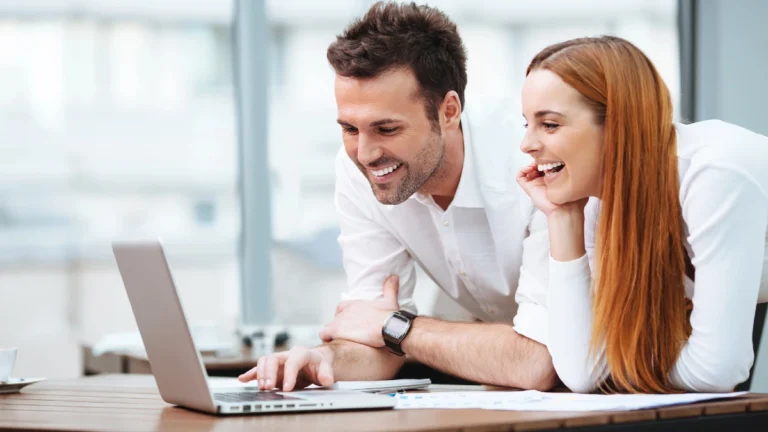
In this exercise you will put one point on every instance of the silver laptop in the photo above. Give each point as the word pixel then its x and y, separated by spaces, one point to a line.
pixel 176 363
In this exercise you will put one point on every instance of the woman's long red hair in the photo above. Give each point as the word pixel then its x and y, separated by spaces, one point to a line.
pixel 639 301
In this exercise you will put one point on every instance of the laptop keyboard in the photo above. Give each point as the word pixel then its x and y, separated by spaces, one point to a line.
pixel 251 397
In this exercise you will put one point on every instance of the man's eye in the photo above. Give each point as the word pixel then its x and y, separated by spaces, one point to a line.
pixel 350 130
pixel 387 130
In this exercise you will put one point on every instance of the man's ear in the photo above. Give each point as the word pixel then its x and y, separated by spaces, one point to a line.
pixel 450 110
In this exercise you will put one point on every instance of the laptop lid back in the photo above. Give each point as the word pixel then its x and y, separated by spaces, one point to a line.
pixel 175 361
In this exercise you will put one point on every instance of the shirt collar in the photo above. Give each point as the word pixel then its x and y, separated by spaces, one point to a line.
pixel 468 191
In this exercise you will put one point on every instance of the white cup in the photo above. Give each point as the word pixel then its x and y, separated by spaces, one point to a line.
pixel 7 359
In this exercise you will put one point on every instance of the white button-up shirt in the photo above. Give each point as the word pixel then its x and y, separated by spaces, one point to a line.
pixel 482 250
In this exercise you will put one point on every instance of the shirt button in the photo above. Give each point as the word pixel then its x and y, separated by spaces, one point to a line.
pixel 463 274
pixel 446 223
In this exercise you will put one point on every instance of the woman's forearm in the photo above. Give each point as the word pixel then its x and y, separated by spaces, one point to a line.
pixel 566 233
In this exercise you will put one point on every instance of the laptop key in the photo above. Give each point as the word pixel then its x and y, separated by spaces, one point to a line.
pixel 251 397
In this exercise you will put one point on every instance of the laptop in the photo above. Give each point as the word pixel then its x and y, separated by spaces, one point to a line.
pixel 176 364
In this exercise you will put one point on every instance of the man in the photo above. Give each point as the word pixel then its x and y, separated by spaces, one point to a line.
pixel 419 182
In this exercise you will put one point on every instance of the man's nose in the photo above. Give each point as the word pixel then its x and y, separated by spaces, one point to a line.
pixel 367 150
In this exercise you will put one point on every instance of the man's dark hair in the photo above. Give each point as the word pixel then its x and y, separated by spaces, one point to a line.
pixel 393 35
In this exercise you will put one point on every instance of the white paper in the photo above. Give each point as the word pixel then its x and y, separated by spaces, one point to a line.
pixel 532 400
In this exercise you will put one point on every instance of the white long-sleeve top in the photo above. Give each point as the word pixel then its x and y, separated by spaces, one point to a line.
pixel 723 172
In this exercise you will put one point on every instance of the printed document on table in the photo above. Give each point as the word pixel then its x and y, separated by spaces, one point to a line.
pixel 532 400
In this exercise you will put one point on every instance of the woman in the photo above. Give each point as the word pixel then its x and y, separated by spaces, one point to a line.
pixel 680 223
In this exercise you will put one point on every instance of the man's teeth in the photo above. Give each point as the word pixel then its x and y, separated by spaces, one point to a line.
pixel 550 166
pixel 385 171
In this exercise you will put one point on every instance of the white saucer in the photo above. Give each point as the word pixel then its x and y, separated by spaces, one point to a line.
pixel 13 385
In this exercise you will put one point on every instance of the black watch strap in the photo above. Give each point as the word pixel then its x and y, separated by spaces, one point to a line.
pixel 393 341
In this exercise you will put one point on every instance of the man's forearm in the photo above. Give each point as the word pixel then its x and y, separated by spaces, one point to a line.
pixel 482 352
pixel 352 361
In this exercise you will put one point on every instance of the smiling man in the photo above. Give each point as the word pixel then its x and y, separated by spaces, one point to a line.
pixel 419 182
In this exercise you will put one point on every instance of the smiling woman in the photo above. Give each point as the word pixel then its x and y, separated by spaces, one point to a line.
pixel 682 216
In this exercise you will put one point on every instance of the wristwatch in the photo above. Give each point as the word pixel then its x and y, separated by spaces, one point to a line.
pixel 396 329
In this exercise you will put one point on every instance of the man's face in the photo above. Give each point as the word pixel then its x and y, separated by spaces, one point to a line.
pixel 387 133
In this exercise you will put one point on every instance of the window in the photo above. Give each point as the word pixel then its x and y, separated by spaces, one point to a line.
pixel 116 121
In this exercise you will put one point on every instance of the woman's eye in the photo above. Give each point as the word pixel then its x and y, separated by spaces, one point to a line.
pixel 525 125
pixel 550 126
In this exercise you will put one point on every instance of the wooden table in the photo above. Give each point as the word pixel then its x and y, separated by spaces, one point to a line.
pixel 131 403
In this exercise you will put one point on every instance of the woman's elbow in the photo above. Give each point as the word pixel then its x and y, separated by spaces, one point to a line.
pixel 575 378
pixel 720 377
pixel 722 380
pixel 578 383
pixel 719 385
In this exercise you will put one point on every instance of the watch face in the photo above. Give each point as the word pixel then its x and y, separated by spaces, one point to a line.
pixel 397 326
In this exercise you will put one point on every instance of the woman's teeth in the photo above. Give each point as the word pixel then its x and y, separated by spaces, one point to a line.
pixel 385 171
pixel 550 167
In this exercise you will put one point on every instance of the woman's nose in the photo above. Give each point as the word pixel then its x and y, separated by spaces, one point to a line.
pixel 529 144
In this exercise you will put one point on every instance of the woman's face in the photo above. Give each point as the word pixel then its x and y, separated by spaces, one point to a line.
pixel 564 137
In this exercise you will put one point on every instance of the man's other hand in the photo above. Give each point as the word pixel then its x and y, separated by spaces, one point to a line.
pixel 361 320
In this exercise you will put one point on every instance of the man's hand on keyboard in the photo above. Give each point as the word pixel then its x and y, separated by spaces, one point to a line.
pixel 296 368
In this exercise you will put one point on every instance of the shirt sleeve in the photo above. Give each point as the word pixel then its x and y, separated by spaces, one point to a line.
pixel 726 214
pixel 570 314
pixel 570 325
pixel 371 253
pixel 531 295
pixel 533 318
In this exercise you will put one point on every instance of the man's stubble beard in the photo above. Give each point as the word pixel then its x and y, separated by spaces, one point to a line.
pixel 425 168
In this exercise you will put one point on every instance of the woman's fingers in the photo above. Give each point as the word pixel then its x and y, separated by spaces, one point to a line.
pixel 525 175
pixel 534 175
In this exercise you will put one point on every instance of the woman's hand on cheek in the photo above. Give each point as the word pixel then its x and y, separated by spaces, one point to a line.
pixel 532 181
